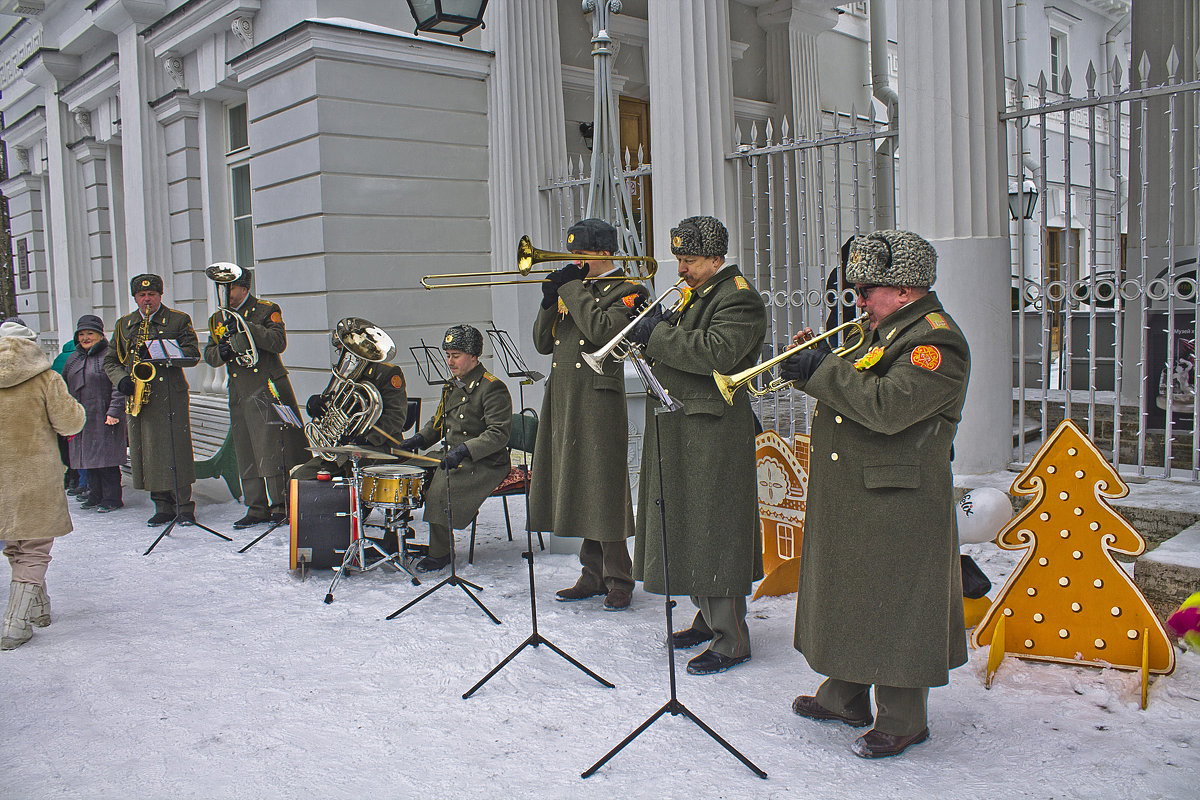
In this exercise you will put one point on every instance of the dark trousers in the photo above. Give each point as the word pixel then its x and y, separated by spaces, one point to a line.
pixel 899 711
pixel 725 619
pixel 104 486
pixel 606 565
pixel 164 502
pixel 265 496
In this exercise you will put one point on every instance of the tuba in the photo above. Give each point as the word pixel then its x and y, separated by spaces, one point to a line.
pixel 227 323
pixel 141 372
pixel 353 407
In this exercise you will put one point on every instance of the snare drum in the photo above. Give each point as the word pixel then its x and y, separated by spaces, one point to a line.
pixel 392 486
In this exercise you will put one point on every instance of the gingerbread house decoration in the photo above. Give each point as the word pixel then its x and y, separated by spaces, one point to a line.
pixel 782 489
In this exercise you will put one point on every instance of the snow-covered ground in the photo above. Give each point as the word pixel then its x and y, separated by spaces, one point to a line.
pixel 196 672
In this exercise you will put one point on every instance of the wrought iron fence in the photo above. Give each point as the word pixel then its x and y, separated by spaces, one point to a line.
pixel 569 194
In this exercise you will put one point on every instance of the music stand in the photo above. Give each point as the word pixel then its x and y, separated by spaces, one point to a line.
pixel 515 367
pixel 167 353
pixel 285 417
pixel 672 706
pixel 434 366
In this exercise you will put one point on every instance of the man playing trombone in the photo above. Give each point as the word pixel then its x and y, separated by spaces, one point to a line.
pixel 880 600
pixel 247 337
pixel 706 449
pixel 580 481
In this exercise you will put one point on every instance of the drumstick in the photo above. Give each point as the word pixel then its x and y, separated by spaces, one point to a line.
pixel 406 454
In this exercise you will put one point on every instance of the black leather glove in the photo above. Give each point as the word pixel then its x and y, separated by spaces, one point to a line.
pixel 549 294
pixel 316 406
pixel 225 351
pixel 125 386
pixel 640 333
pixel 572 272
pixel 802 365
pixel 457 455
pixel 413 444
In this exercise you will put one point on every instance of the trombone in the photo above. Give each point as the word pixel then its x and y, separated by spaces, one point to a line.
pixel 729 384
pixel 527 256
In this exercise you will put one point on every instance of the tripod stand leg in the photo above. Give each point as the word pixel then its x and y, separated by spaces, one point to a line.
pixel 463 585
pixel 165 531
pixel 587 773
pixel 499 667
pixel 354 549
pixel 558 650
pixel 261 536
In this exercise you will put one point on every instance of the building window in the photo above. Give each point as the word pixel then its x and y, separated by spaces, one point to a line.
pixel 23 263
pixel 237 157
pixel 1058 60
pixel 786 540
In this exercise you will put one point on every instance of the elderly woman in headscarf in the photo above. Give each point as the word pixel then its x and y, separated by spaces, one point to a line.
pixel 35 407
pixel 101 446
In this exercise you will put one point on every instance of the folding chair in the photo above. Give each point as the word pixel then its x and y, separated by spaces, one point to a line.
pixel 522 438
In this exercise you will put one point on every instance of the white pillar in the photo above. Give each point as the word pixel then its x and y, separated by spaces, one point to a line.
pixel 91 156
pixel 691 116
pixel 953 191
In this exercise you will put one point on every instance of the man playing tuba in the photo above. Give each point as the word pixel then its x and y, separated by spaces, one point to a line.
pixel 160 432
pixel 266 449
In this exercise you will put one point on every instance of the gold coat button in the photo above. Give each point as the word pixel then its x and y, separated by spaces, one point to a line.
pixel 838 419
pixel 582 342
pixel 553 364
pixel 460 416
pixel 556 341
pixel 578 365
pixel 256 369
pixel 833 456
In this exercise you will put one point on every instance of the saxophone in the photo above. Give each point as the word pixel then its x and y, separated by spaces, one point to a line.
pixel 142 372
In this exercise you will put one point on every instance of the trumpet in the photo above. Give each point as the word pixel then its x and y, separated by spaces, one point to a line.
pixel 231 324
pixel 729 384
pixel 527 256
pixel 619 346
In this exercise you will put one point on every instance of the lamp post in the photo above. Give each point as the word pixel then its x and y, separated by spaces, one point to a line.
pixel 451 17
pixel 1022 199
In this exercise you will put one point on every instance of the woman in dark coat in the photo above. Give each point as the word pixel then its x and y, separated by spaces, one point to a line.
pixel 101 446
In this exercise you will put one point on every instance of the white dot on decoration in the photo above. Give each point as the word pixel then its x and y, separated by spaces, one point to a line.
pixel 1078 511
pixel 1072 451
pixel 1099 584
pixel 1064 581
pixel 1131 634
pixel 1064 533
pixel 1038 618
pixel 1043 561
pixel 1062 633
pixel 1063 495
pixel 1029 644
pixel 1051 469
pixel 1044 516
pixel 1078 473
pixel 1099 644
pixel 1077 555
pixel 1076 607
pixel 1032 592
pixel 1094 526
pixel 1116 611
pixel 1008 612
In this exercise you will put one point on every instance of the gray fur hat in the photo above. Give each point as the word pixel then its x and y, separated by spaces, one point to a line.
pixel 889 258
pixel 145 283
pixel 465 338
pixel 700 236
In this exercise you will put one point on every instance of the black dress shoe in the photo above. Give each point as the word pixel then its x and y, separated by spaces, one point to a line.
pixel 249 521
pixel 278 517
pixel 105 509
pixel 689 638
pixel 877 744
pixel 161 518
pixel 807 706
pixel 710 663
pixel 187 518
pixel 577 592
pixel 86 504
pixel 432 563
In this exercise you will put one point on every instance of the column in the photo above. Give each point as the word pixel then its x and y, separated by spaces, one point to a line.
pixel 691 116
pixel 28 228
pixel 953 192
pixel 527 146
pixel 91 157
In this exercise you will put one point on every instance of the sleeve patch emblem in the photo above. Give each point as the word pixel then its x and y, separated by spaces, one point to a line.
pixel 630 300
pixel 277 317
pixel 741 282
pixel 936 321
pixel 927 357
pixel 398 381
pixel 870 359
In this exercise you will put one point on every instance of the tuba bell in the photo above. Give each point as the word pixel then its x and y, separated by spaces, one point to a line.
pixel 352 407
pixel 226 323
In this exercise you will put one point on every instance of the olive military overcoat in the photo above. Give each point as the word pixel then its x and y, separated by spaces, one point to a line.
pixel 265 448
pixel 476 412
pixel 880 598
pixel 160 422
pixel 580 476
pixel 708 473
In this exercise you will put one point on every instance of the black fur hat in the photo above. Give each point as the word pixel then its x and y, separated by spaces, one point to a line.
pixel 465 338
pixel 592 234
pixel 146 283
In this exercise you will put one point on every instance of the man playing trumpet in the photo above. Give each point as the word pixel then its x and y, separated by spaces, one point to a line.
pixel 162 423
pixel 266 449
pixel 580 482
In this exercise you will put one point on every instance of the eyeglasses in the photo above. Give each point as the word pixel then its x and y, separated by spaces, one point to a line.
pixel 865 291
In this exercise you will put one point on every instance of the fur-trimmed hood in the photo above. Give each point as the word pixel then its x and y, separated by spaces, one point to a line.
pixel 20 360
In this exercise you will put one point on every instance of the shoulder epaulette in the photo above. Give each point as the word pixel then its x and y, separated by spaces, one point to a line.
pixel 489 376
pixel 741 282
pixel 936 320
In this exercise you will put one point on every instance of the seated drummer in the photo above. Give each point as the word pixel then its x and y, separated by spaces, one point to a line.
pixel 473 419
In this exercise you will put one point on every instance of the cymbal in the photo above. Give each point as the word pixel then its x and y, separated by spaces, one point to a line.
pixel 346 450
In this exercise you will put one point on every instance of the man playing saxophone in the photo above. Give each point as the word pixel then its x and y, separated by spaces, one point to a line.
pixel 266 449
pixel 163 417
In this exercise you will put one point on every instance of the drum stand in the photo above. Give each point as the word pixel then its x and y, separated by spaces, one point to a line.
pixel 168 363
pixel 672 706
pixel 452 579
pixel 356 554
pixel 397 520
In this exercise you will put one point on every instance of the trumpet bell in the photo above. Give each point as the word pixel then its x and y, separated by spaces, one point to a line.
pixel 223 272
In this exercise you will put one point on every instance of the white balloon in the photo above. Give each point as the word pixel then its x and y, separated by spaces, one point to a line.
pixel 981 514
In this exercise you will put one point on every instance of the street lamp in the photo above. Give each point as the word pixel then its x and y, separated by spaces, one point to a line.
pixel 1022 199
pixel 451 17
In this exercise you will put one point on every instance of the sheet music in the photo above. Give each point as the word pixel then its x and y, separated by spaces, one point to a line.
pixel 287 415
pixel 163 349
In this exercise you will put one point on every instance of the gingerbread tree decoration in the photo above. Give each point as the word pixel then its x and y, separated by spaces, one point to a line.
pixel 1068 600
